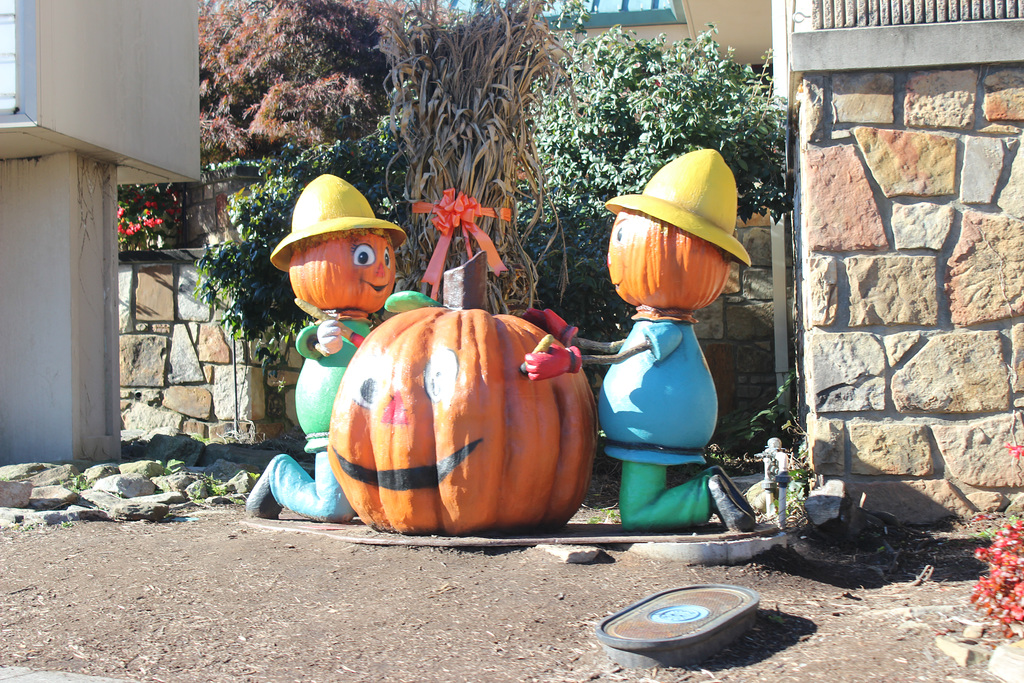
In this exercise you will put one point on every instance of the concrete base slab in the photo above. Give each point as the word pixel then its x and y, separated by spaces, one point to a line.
pixel 709 545
pixel 736 551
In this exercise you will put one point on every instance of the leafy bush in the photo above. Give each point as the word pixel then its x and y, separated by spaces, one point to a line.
pixel 257 298
pixel 636 104
pixel 1000 595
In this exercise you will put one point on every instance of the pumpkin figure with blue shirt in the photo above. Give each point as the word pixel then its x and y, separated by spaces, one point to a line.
pixel 669 255
pixel 340 260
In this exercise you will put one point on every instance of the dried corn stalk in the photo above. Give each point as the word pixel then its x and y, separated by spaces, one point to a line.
pixel 465 93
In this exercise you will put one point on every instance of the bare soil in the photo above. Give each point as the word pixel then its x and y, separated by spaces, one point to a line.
pixel 213 599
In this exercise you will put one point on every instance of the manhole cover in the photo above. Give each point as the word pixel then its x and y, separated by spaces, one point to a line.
pixel 679 626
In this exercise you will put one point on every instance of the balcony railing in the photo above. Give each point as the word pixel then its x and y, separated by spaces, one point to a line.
pixel 827 14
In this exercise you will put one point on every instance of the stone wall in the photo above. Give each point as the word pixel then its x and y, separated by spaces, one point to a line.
pixel 206 205
pixel 179 369
pixel 911 243
pixel 737 331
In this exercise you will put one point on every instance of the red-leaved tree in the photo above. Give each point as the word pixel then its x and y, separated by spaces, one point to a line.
pixel 287 71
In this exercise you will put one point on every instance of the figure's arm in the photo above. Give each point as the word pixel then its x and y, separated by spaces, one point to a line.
pixel 603 347
pixel 557 360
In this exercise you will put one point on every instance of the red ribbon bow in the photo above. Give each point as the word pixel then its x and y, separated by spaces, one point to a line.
pixel 459 211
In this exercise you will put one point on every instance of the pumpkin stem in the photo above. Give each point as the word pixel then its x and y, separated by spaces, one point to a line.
pixel 465 287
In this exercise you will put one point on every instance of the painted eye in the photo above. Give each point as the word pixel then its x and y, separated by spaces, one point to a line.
pixel 364 255
pixel 618 234
pixel 364 382
pixel 440 374
pixel 387 258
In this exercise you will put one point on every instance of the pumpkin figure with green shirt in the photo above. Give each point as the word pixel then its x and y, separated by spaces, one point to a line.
pixel 340 260
pixel 669 255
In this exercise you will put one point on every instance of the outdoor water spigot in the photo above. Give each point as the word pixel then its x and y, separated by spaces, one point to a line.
pixel 776 476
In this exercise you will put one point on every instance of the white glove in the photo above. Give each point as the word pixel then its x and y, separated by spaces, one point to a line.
pixel 330 337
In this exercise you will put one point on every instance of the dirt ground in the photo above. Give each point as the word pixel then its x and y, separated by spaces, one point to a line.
pixel 213 599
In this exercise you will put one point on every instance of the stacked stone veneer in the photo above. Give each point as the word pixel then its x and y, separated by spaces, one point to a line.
pixel 736 331
pixel 911 241
pixel 179 369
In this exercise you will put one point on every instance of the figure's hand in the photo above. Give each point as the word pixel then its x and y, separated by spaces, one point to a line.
pixel 331 336
pixel 552 323
pixel 553 362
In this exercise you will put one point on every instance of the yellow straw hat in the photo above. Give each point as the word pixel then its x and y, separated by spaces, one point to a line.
pixel 696 193
pixel 330 204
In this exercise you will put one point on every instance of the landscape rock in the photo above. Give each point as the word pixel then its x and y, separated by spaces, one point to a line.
pixel 53 476
pixel 826 505
pixel 126 485
pixel 11 516
pixel 147 468
pixel 987 501
pixel 225 470
pixel 15 494
pixel 1007 662
pixel 1016 506
pixel 242 482
pixel 964 654
pixel 50 517
pixel 50 497
pixel 198 490
pixel 20 471
pixel 101 499
pixel 571 554
pixel 89 514
pixel 164 498
pixel 97 472
pixel 177 482
pixel 130 510
pixel 219 500
pixel 165 448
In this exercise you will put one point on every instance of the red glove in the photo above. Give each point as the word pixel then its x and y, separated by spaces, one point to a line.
pixel 553 362
pixel 552 323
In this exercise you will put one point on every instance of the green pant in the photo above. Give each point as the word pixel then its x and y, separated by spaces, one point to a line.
pixel 646 504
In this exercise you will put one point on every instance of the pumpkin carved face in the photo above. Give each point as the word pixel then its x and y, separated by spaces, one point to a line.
pixel 436 431
pixel 653 263
pixel 352 272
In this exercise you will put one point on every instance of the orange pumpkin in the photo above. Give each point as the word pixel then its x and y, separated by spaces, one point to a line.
pixel 436 431
pixel 653 263
pixel 350 272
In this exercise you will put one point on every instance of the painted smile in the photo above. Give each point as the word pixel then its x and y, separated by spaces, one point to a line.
pixel 407 478
pixel 376 288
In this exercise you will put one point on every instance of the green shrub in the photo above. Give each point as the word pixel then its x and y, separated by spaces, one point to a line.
pixel 636 104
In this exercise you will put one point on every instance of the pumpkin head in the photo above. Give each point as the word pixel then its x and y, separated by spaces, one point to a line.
pixel 655 264
pixel 436 431
pixel 351 272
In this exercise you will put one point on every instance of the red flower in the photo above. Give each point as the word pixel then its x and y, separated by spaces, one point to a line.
pixel 1015 450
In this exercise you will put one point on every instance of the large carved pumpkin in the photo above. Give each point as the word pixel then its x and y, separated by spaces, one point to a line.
pixel 653 263
pixel 350 272
pixel 436 431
